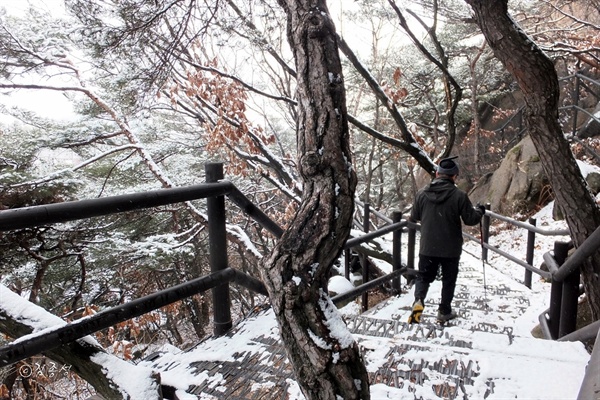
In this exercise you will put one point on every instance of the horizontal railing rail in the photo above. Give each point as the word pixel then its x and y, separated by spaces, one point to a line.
pixel 374 234
pixel 527 226
pixel 240 200
pixel 582 77
pixel 579 109
pixel 583 252
pixel 588 332
pixel 508 256
pixel 33 344
pixel 28 217
pixel 359 290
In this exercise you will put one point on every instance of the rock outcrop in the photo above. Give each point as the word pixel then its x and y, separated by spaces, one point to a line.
pixel 518 185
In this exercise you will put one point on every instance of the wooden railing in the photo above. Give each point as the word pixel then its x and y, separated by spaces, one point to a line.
pixel 214 190
pixel 558 321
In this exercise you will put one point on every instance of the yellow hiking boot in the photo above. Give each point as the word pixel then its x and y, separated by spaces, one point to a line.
pixel 415 315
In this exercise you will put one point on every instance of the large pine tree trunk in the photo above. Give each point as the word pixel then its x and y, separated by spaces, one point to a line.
pixel 537 79
pixel 323 353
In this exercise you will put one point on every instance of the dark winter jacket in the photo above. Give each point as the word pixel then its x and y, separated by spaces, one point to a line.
pixel 440 206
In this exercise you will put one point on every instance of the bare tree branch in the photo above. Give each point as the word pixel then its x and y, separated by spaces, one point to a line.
pixel 452 101
pixel 409 143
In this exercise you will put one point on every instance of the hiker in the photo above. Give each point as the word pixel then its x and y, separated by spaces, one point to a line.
pixel 439 207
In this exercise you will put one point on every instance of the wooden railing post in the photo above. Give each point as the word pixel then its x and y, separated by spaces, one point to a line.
pixel 529 256
pixel 556 291
pixel 575 104
pixel 397 251
pixel 218 251
pixel 410 252
pixel 347 255
pixel 485 232
pixel 364 259
pixel 569 300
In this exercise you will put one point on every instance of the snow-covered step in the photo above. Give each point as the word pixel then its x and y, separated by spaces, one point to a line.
pixel 472 315
pixel 422 361
pixel 473 365
pixel 488 352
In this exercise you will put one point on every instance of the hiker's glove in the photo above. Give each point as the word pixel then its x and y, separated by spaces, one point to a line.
pixel 482 208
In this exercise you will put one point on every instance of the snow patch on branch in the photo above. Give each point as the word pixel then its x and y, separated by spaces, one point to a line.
pixel 348 166
pixel 32 315
pixel 333 320
pixel 358 384
pixel 319 341
pixel 313 268
pixel 243 237
pixel 133 381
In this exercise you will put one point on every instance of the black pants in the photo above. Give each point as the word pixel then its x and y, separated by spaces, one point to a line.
pixel 428 270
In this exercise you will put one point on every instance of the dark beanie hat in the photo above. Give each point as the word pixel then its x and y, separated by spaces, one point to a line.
pixel 447 166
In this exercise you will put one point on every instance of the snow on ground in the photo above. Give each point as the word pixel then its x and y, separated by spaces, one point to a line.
pixel 531 368
pixel 520 366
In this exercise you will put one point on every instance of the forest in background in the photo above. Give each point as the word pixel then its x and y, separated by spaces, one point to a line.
pixel 157 89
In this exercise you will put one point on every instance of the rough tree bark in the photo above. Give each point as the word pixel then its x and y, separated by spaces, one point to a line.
pixel 536 76
pixel 323 353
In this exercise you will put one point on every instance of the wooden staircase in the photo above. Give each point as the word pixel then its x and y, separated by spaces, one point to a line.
pixel 488 352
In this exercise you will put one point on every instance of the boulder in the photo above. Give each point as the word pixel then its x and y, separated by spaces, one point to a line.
pixel 518 185
pixel 593 181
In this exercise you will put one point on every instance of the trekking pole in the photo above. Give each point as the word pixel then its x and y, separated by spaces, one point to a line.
pixel 483 263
